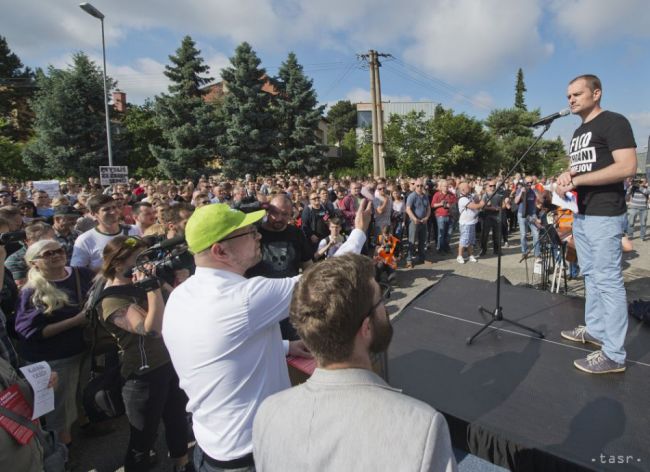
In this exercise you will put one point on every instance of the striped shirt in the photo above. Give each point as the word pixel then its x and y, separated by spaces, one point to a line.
pixel 638 197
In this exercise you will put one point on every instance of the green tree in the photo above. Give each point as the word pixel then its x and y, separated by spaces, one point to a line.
pixel 511 131
pixel 141 129
pixel 16 89
pixel 408 144
pixel 69 124
pixel 297 116
pixel 460 144
pixel 12 164
pixel 189 126
pixel 250 136
pixel 520 90
pixel 342 118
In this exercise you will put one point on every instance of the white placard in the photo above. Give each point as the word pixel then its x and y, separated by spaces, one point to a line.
pixel 38 375
pixel 109 175
pixel 49 186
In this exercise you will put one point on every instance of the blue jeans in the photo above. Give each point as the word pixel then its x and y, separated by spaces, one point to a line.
pixel 598 244
pixel 444 233
pixel 417 232
pixel 632 214
pixel 201 465
pixel 524 227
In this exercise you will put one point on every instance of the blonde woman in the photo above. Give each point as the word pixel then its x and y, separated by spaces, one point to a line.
pixel 49 322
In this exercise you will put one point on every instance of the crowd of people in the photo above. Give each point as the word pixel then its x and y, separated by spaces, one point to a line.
pixel 87 234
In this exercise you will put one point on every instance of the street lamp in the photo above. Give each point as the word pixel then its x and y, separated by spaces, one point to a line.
pixel 92 11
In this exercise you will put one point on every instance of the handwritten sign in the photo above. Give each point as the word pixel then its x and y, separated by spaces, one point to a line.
pixel 109 175
pixel 49 186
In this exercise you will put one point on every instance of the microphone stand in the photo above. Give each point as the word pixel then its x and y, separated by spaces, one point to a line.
pixel 497 313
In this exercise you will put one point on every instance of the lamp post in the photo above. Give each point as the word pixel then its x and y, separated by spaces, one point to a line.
pixel 92 11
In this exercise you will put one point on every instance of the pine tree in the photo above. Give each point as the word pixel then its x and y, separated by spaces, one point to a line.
pixel 297 115
pixel 520 90
pixel 16 89
pixel 248 143
pixel 69 125
pixel 188 123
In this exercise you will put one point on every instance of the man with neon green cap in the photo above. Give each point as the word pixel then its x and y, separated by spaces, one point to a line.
pixel 223 335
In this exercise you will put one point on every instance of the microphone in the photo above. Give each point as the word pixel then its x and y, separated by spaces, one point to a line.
pixel 167 243
pixel 547 120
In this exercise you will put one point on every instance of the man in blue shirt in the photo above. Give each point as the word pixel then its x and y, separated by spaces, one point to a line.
pixel 526 199
pixel 418 209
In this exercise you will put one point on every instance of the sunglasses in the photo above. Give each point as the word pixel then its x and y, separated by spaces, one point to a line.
pixel 51 253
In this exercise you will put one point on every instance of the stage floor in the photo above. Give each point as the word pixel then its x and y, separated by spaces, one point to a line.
pixel 512 398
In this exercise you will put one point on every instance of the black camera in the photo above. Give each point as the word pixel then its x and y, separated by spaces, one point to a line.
pixel 164 257
pixel 11 237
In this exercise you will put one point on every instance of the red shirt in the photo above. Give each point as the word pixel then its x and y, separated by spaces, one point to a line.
pixel 439 197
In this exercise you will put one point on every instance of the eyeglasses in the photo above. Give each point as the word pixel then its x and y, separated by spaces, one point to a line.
pixel 253 232
pixel 491 185
pixel 385 296
pixel 51 253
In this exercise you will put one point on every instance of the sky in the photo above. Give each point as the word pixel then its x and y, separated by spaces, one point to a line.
pixel 463 54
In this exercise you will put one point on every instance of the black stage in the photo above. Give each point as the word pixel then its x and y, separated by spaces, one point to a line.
pixel 517 400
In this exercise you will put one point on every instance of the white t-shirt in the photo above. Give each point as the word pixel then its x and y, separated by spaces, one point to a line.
pixel 223 335
pixel 468 216
pixel 89 247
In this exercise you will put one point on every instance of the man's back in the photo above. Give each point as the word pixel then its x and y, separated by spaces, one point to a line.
pixel 349 419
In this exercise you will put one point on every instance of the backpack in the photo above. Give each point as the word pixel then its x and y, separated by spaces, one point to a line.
pixel 102 396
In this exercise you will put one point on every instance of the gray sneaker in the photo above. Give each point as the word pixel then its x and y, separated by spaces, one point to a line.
pixel 598 363
pixel 580 335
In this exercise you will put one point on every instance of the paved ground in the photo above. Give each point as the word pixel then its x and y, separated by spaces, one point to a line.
pixel 106 453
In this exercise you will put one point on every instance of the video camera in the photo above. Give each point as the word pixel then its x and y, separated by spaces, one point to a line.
pixel 12 237
pixel 163 257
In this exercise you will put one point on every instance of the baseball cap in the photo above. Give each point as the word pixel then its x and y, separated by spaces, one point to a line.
pixel 66 210
pixel 211 223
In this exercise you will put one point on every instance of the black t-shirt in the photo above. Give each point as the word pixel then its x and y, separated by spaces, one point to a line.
pixel 283 253
pixel 591 150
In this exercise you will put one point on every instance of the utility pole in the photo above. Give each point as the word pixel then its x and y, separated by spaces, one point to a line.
pixel 378 153
pixel 375 126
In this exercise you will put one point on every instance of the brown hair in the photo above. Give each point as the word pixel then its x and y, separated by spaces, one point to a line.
pixel 97 201
pixel 593 82
pixel 118 250
pixel 329 304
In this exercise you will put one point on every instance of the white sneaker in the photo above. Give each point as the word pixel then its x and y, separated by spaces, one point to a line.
pixel 473 259
pixel 460 260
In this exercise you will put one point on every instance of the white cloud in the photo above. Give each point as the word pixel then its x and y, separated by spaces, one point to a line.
pixel 591 22
pixel 466 40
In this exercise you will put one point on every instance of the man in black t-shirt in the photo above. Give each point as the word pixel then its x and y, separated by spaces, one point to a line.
pixel 603 154
pixel 285 250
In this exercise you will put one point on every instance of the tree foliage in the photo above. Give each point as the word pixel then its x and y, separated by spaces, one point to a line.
pixel 16 89
pixel 297 116
pixel 69 124
pixel 342 118
pixel 444 144
pixel 248 143
pixel 513 136
pixel 189 126
pixel 11 163
pixel 139 123
pixel 520 91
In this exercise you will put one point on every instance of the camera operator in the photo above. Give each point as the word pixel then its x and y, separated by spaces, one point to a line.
pixel 174 218
pixel 637 206
pixel 133 316
pixel 15 220
pixel 222 331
